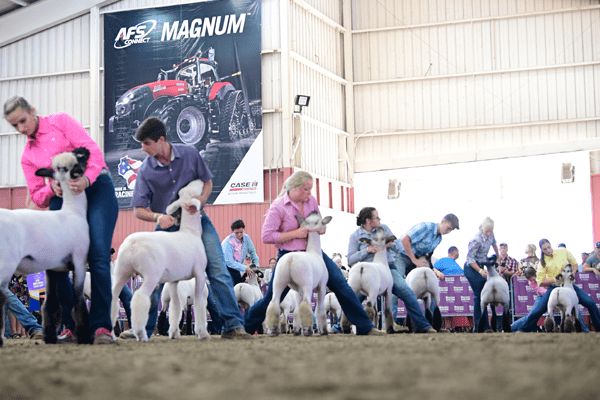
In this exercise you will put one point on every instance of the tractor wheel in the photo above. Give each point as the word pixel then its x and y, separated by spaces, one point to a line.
pixel 187 126
pixel 190 125
pixel 233 119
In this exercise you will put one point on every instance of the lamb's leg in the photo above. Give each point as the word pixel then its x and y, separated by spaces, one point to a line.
pixel 549 321
pixel 51 308
pixel 578 327
pixel 506 318
pixel 306 315
pixel 174 311
pixel 494 318
pixel 200 302
pixel 188 321
pixel 320 310
pixel 140 305
pixel 272 319
pixel 427 306
pixel 387 313
pixel 80 310
pixel 567 322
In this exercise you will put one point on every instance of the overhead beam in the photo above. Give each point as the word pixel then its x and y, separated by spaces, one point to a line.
pixel 43 15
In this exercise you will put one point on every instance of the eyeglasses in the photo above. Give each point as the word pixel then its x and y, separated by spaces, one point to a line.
pixel 377 218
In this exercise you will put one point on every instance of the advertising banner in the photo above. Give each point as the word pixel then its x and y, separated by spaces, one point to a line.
pixel 197 67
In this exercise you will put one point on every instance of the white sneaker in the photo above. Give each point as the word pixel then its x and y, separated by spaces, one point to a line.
pixel 128 334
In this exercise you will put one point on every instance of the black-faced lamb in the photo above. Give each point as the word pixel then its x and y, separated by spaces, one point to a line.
pixel 249 293
pixel 160 257
pixel 303 271
pixel 564 299
pixel 374 279
pixel 495 292
pixel 32 241
pixel 425 285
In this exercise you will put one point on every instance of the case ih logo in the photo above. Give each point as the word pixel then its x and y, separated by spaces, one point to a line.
pixel 134 34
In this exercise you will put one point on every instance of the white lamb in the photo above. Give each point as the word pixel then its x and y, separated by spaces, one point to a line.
pixel 374 279
pixel 495 292
pixel 425 285
pixel 249 293
pixel 185 294
pixel 32 241
pixel 161 257
pixel 302 271
pixel 563 299
pixel 332 305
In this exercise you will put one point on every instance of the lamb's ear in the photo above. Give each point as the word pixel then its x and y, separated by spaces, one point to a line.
pixel 260 274
pixel 244 276
pixel 45 172
pixel 326 220
pixel 196 203
pixel 559 277
pixel 572 277
pixel 365 240
pixel 390 239
pixel 174 206
pixel 82 154
pixel 299 219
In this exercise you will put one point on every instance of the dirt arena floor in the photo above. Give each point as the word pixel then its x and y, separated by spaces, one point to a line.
pixel 401 366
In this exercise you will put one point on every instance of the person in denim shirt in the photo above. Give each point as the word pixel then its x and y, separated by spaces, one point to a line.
pixel 368 219
pixel 236 247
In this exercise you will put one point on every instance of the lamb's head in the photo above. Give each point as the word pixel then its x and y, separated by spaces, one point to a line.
pixel 566 274
pixel 68 165
pixel 313 221
pixel 380 238
pixel 254 269
pixel 186 194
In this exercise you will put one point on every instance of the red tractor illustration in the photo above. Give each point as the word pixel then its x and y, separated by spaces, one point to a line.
pixel 195 104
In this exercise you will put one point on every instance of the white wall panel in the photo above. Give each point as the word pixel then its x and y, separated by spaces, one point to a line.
pixel 424 70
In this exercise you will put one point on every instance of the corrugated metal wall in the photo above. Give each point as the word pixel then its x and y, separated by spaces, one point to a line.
pixel 447 81
pixel 51 70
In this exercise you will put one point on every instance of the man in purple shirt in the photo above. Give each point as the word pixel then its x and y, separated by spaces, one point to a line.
pixel 168 168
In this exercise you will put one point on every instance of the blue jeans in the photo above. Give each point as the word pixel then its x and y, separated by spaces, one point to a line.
pixel 539 308
pixel 477 282
pixel 401 289
pixel 336 283
pixel 102 213
pixel 125 297
pixel 218 276
pixel 410 301
pixel 25 318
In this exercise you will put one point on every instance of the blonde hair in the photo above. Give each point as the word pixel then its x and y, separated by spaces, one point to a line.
pixel 297 179
pixel 531 248
pixel 15 103
pixel 487 222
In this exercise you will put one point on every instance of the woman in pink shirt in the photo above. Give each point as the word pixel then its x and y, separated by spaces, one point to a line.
pixel 47 137
pixel 281 228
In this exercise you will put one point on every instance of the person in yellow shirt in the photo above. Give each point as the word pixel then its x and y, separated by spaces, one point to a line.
pixel 551 264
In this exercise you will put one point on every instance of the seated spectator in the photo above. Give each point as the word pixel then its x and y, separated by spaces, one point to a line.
pixel 507 266
pixel 591 263
pixel 337 259
pixel 532 259
pixel 448 265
